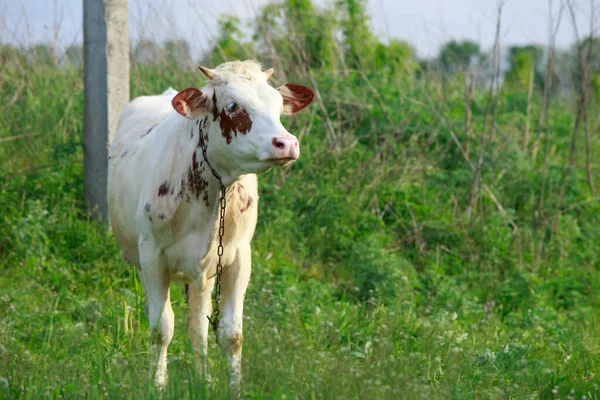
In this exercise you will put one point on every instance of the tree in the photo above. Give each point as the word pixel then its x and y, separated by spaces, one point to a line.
pixel 458 56
pixel 397 55
pixel 296 34
pixel 592 44
pixel 359 42
pixel 589 51
pixel 524 61
pixel 311 32
pixel 231 43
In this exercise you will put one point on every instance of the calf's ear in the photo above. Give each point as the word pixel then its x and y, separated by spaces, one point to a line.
pixel 190 103
pixel 295 97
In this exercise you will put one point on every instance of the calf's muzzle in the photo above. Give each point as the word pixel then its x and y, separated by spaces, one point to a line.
pixel 285 147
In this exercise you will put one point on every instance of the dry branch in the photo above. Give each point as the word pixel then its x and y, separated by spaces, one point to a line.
pixel 487 134
pixel 15 137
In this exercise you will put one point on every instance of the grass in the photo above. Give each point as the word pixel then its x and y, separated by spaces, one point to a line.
pixel 369 280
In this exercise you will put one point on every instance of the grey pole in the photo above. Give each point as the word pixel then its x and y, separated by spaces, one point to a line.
pixel 106 92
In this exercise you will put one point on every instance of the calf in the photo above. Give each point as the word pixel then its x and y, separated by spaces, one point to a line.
pixel 167 162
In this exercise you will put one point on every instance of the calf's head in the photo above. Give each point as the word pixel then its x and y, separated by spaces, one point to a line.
pixel 239 114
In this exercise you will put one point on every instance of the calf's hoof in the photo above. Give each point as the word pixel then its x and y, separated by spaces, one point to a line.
pixel 160 379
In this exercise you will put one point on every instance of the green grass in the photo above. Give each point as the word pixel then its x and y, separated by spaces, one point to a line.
pixel 369 281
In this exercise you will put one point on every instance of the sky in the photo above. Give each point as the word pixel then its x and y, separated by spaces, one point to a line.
pixel 426 24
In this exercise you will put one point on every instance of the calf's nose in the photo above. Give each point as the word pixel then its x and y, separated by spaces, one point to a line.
pixel 286 147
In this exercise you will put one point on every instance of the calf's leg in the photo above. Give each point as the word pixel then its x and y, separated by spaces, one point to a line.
pixel 160 314
pixel 199 307
pixel 234 282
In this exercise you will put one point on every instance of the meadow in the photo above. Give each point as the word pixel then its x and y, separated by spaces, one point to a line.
pixel 437 237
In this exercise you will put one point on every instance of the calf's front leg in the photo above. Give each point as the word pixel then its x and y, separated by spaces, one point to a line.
pixel 234 282
pixel 160 313
pixel 199 307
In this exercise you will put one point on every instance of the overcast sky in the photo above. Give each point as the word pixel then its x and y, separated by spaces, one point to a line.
pixel 427 24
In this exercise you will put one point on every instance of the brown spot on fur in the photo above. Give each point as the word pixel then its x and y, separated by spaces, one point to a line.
pixel 231 124
pixel 196 183
pixel 163 189
pixel 161 216
pixel 147 207
pixel 123 154
pixel 247 206
pixel 214 107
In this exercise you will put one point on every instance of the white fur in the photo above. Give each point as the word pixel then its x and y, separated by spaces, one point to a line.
pixel 171 237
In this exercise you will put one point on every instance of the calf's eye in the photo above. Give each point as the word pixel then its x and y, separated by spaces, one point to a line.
pixel 231 107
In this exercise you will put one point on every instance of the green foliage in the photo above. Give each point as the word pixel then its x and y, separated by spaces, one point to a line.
pixel 177 52
pixel 296 34
pixel 312 30
pixel 359 42
pixel 524 61
pixel 230 43
pixel 397 55
pixel 591 46
pixel 171 52
pixel 457 56
pixel 589 52
pixel 74 55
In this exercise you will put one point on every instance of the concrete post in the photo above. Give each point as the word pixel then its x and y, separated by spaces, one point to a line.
pixel 106 91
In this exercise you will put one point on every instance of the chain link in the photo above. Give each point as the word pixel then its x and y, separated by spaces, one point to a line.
pixel 214 321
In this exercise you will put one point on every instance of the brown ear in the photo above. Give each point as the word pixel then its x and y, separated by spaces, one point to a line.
pixel 190 103
pixel 295 97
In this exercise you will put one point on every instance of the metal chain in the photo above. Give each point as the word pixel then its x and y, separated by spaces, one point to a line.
pixel 214 321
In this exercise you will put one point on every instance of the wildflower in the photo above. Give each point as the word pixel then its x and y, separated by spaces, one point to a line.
pixel 461 337
pixel 568 357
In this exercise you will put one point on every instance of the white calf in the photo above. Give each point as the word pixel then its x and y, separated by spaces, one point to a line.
pixel 163 195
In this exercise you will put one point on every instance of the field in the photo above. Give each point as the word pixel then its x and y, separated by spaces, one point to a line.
pixel 435 240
